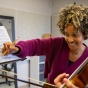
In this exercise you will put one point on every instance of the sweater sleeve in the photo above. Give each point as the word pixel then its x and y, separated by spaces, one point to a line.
pixel 34 47
pixel 37 47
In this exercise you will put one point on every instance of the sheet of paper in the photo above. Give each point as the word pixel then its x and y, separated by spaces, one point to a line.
pixel 4 37
pixel 8 58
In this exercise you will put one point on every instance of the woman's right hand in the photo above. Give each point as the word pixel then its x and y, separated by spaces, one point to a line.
pixel 9 48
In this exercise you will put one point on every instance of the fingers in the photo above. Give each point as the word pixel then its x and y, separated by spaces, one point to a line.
pixel 59 79
pixel 7 45
pixel 9 48
pixel 6 48
pixel 69 84
pixel 62 78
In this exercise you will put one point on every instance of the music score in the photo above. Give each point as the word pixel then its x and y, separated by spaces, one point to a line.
pixel 9 59
pixel 4 37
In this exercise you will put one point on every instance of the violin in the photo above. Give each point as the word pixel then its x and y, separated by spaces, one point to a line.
pixel 80 76
pixel 81 79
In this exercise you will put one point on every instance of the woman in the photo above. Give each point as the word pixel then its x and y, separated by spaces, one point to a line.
pixel 63 54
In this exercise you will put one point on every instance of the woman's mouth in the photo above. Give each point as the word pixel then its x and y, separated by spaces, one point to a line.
pixel 72 44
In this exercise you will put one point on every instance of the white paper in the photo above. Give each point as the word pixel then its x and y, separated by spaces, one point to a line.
pixel 4 37
pixel 7 58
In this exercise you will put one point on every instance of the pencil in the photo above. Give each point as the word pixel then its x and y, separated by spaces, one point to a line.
pixel 11 45
pixel 15 41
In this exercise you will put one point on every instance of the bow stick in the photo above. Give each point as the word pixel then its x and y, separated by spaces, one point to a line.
pixel 21 80
pixel 27 78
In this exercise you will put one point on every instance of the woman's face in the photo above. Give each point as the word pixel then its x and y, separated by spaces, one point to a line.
pixel 73 37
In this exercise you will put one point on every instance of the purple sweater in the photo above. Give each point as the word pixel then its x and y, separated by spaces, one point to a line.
pixel 56 51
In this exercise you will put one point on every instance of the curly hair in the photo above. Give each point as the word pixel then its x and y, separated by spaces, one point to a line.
pixel 76 15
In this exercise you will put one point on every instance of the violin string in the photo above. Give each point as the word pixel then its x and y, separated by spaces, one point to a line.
pixel 27 77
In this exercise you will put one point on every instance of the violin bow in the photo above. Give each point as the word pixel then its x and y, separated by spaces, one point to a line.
pixel 21 80
pixel 27 78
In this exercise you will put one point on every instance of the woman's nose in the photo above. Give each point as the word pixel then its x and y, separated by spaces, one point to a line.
pixel 70 39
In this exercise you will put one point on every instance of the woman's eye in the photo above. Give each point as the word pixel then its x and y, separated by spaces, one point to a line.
pixel 66 35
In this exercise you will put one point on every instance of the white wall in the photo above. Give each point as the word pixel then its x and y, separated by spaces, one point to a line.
pixel 36 6
pixel 32 20
pixel 58 4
